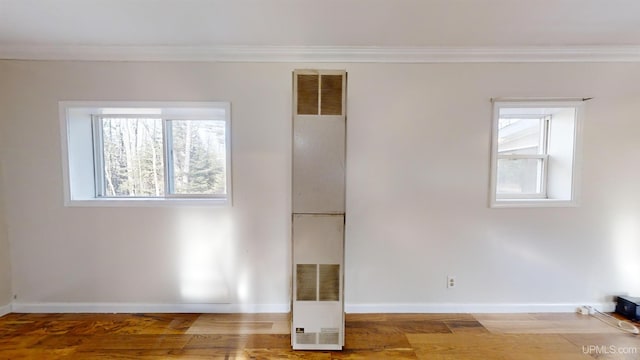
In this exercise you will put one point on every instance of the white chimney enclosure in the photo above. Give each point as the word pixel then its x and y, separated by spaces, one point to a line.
pixel 319 137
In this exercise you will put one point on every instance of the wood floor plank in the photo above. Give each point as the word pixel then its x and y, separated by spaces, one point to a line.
pixel 8 342
pixel 31 354
pixel 494 346
pixel 268 341
pixel 505 317
pixel 199 354
pixel 217 341
pixel 244 341
pixel 212 324
pixel 59 341
pixel 14 324
pixel 373 327
pixel 548 325
pixel 368 340
pixel 419 326
pixel 466 326
pixel 268 354
pixel 399 354
pixel 128 342
pixel 407 316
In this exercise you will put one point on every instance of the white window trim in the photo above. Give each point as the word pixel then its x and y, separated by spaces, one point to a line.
pixel 526 202
pixel 167 200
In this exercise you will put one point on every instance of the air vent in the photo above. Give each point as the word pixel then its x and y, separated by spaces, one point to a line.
pixel 308 95
pixel 306 282
pixel 331 95
pixel 329 282
pixel 306 338
pixel 319 94
pixel 329 336
pixel 318 282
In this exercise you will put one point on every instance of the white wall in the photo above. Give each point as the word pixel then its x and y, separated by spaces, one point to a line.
pixel 148 255
pixel 5 258
pixel 417 189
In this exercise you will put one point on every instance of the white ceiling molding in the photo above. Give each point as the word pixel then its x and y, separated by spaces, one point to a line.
pixel 325 54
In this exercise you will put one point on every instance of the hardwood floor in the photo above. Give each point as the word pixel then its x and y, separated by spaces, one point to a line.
pixel 266 336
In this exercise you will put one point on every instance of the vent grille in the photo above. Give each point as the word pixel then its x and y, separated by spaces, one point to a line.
pixel 308 94
pixel 329 282
pixel 329 336
pixel 306 282
pixel 318 282
pixel 319 94
pixel 306 338
pixel 331 95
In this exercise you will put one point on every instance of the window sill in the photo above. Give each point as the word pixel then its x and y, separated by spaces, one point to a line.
pixel 532 203
pixel 159 202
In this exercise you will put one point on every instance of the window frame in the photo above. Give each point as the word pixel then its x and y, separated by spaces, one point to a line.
pixel 543 199
pixel 91 112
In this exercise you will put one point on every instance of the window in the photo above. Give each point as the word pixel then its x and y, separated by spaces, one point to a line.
pixel 142 153
pixel 522 156
pixel 534 157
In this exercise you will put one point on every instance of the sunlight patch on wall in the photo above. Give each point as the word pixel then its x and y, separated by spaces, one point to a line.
pixel 205 257
pixel 243 287
pixel 626 247
pixel 523 253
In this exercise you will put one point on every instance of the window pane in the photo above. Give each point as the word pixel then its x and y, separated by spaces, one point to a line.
pixel 519 136
pixel 519 176
pixel 132 149
pixel 198 157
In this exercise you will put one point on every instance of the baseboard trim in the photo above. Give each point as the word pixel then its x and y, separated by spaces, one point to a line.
pixel 285 308
pixel 5 309
pixel 146 308
pixel 472 308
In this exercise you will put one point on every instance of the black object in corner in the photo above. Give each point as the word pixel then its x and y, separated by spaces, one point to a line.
pixel 628 307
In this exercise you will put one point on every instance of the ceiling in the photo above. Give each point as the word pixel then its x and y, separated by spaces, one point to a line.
pixel 504 24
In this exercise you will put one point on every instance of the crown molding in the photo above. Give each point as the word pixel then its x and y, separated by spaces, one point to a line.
pixel 340 54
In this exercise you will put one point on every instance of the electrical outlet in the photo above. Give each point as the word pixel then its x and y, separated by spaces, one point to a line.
pixel 451 281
